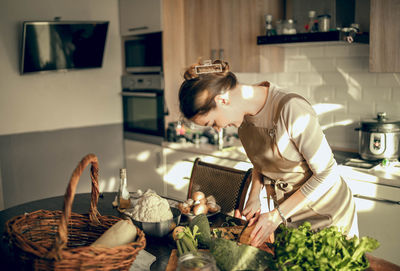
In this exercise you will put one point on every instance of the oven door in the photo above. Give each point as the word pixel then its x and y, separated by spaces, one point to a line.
pixel 143 112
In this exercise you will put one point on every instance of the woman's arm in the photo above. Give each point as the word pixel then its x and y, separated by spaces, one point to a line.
pixel 268 222
pixel 253 202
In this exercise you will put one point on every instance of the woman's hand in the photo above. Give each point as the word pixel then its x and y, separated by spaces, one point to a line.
pixel 252 209
pixel 265 226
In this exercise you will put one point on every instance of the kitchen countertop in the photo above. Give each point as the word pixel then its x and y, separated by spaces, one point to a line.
pixel 234 151
pixel 389 176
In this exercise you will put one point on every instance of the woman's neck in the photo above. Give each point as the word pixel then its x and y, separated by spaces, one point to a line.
pixel 253 98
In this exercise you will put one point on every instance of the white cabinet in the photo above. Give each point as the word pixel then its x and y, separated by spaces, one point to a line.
pixel 139 17
pixel 144 166
pixel 377 217
pixel 178 168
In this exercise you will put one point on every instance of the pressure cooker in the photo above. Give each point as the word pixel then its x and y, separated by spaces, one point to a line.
pixel 379 138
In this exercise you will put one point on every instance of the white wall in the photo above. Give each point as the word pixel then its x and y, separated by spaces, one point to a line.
pixel 335 78
pixel 57 100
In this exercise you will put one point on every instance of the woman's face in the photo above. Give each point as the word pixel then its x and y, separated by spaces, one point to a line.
pixel 222 116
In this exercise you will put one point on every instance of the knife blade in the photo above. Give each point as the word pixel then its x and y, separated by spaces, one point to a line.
pixel 245 226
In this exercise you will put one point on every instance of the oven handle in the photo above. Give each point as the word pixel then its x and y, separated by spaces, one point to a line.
pixel 377 199
pixel 130 94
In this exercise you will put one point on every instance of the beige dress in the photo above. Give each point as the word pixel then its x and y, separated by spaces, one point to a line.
pixel 331 199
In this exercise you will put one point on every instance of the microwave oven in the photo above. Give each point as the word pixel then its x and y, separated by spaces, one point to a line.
pixel 143 53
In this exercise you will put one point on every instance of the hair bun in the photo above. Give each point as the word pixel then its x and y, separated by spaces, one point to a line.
pixel 190 72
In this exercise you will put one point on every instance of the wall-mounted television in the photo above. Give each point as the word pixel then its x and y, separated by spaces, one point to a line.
pixel 62 45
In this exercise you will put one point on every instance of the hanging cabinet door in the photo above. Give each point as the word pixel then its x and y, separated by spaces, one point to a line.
pixel 201 29
pixel 385 36
pixel 227 30
pixel 240 24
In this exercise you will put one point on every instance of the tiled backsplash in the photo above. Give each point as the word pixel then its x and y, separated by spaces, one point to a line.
pixel 336 80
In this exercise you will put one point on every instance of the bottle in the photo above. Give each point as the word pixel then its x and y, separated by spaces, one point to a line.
pixel 311 26
pixel 124 200
pixel 269 30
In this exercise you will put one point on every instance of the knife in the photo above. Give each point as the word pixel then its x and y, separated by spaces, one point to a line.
pixel 245 226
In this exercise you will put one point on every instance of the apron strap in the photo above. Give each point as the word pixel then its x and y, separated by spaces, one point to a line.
pixel 282 102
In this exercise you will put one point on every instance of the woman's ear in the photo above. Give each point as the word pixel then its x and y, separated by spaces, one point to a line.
pixel 222 98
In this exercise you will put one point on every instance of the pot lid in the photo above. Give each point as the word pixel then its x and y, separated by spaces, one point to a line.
pixel 380 124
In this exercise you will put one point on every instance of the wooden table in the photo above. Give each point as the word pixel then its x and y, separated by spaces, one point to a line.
pixel 159 247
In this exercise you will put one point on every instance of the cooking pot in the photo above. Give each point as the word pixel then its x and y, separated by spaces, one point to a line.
pixel 379 138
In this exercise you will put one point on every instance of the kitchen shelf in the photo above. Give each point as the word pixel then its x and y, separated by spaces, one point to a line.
pixel 330 36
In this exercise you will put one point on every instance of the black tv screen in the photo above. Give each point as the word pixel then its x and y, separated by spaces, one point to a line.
pixel 62 45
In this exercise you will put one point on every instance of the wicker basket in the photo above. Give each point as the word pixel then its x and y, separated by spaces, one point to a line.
pixel 60 240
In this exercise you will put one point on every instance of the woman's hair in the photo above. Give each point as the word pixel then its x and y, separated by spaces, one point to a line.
pixel 197 92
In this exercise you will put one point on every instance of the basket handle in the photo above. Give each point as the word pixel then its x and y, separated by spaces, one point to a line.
pixel 62 234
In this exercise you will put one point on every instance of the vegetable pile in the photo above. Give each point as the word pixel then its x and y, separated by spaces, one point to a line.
pixel 328 249
pixel 294 249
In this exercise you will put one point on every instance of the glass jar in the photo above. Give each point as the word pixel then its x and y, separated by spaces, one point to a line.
pixel 324 23
pixel 289 27
pixel 200 261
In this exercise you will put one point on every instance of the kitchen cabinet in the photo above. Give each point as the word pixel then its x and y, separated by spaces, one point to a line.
pixel 384 36
pixel 144 166
pixel 139 17
pixel 227 30
pixel 178 168
pixel 210 28
pixel 378 218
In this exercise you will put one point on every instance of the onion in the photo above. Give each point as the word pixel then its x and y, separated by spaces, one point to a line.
pixel 211 199
pixel 184 208
pixel 198 196
pixel 202 201
pixel 189 202
pixel 200 209
pixel 212 207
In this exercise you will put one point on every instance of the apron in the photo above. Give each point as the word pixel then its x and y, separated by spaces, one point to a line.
pixel 283 177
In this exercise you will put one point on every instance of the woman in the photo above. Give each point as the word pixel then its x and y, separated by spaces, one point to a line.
pixel 283 140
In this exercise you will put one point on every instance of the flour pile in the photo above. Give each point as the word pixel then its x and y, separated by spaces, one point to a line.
pixel 150 207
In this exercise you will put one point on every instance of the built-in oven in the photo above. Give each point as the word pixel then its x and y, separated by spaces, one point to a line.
pixel 144 107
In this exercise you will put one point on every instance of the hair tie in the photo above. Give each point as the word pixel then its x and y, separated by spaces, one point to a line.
pixel 208 67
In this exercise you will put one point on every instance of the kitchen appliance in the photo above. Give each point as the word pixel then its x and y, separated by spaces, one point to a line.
pixel 62 45
pixel 143 53
pixel 144 107
pixel 379 138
